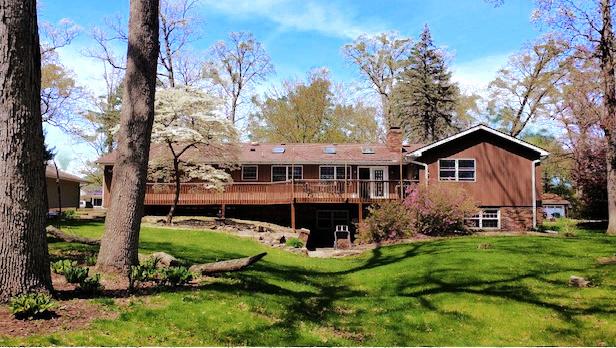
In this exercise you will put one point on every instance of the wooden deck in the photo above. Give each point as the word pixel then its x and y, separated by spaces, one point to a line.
pixel 298 191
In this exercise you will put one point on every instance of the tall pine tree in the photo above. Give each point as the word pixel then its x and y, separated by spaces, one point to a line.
pixel 425 98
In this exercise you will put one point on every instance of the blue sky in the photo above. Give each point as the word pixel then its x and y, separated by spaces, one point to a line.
pixel 301 35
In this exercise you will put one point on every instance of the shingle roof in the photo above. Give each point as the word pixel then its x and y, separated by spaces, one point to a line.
pixel 50 172
pixel 552 198
pixel 251 153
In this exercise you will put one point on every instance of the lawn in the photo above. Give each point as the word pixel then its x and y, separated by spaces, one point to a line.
pixel 512 291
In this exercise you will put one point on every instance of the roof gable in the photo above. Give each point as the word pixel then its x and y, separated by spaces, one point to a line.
pixel 420 151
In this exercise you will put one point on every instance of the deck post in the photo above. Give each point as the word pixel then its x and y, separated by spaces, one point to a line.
pixel 293 216
pixel 360 212
pixel 223 208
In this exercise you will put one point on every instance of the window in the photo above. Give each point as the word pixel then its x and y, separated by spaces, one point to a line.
pixel 284 173
pixel 330 150
pixel 456 170
pixel 334 172
pixel 367 150
pixel 249 173
pixel 485 219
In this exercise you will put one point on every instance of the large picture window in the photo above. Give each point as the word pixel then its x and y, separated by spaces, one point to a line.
pixel 334 172
pixel 250 173
pixel 456 169
pixel 485 219
pixel 284 173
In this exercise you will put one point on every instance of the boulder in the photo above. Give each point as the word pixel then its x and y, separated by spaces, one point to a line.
pixel 578 282
pixel 304 233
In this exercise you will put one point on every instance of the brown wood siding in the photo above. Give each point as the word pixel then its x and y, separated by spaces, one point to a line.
pixel 311 171
pixel 503 169
pixel 68 189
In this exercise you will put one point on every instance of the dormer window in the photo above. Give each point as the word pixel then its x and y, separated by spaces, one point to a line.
pixel 450 169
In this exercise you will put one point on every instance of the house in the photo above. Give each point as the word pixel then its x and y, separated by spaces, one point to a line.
pixel 319 186
pixel 69 188
pixel 91 197
pixel 555 206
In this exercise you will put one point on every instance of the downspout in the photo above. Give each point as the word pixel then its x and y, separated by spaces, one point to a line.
pixel 426 175
pixel 534 188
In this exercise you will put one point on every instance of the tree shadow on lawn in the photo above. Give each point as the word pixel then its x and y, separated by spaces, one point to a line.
pixel 311 296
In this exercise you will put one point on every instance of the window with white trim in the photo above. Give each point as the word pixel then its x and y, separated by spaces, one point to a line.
pixel 284 173
pixel 450 169
pixel 484 219
pixel 334 172
pixel 250 173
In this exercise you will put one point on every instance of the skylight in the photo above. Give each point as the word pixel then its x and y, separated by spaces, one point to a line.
pixel 278 149
pixel 367 150
pixel 330 150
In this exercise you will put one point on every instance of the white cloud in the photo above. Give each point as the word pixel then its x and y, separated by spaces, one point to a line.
pixel 475 75
pixel 88 71
pixel 324 18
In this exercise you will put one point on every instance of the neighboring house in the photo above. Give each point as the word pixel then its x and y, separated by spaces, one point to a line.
pixel 555 206
pixel 69 188
pixel 318 186
pixel 92 198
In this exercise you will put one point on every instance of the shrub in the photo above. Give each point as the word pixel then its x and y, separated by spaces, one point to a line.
pixel 389 220
pixel 144 272
pixel 91 284
pixel 30 306
pixel 439 209
pixel 91 260
pixel 68 215
pixel 59 267
pixel 75 274
pixel 294 242
pixel 175 276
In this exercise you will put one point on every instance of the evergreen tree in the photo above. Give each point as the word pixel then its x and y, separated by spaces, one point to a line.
pixel 425 98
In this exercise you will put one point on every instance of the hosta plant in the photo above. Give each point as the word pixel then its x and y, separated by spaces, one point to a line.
pixel 31 305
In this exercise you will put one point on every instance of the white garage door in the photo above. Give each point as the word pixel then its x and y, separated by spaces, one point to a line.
pixel 554 211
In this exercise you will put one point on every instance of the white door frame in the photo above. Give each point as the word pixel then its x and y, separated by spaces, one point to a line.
pixel 373 184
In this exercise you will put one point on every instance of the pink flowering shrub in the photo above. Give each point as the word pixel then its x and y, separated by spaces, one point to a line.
pixel 390 220
pixel 439 209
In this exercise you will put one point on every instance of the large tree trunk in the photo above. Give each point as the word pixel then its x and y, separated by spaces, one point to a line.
pixel 611 181
pixel 606 49
pixel 121 239
pixel 24 259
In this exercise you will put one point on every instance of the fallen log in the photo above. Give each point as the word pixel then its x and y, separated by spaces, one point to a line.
pixel 70 238
pixel 225 266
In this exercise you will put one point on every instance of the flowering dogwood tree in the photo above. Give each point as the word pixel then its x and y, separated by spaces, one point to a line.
pixel 186 125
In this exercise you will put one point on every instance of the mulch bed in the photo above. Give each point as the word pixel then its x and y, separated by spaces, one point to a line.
pixel 68 314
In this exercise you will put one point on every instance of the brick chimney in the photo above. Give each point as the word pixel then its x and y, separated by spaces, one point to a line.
pixel 394 138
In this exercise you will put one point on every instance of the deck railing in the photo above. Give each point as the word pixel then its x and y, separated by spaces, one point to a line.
pixel 284 192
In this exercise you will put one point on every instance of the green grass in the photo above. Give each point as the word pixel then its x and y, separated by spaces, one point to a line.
pixel 512 291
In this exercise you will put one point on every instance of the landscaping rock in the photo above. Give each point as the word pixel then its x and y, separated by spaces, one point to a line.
pixel 607 260
pixel 578 282
pixel 164 259
pixel 304 233
pixel 282 240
